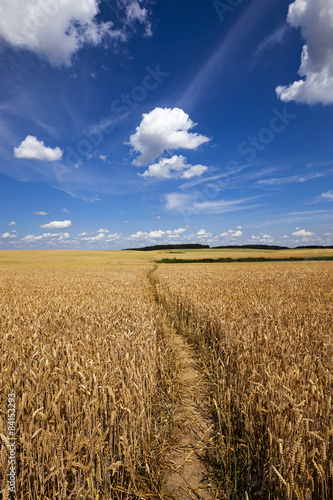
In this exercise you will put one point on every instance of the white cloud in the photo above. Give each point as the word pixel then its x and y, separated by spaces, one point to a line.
pixel 173 168
pixel 114 236
pixel 57 29
pixel 83 234
pixel 31 237
pixel 233 234
pixel 137 13
pixel 315 18
pixel 163 129
pixel 104 231
pixel 179 201
pixel 33 149
pixel 139 235
pixel 66 211
pixel 263 238
pixel 328 195
pixel 194 171
pixel 8 236
pixel 40 213
pixel 63 236
pixel 190 203
pixel 13 223
pixel 99 237
pixel 204 234
pixel 57 224
pixel 302 233
pixel 181 230
pixel 156 234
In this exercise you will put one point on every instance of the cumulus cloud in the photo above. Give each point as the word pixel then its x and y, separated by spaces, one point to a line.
pixel 163 129
pixel 233 234
pixel 57 29
pixel 302 233
pixel 57 224
pixel 315 19
pixel 104 231
pixel 138 235
pixel 12 223
pixel 40 213
pixel 156 234
pixel 45 236
pixel 33 149
pixel 202 233
pixel 173 168
pixel 114 236
pixel 8 235
pixel 263 238
pixel 99 237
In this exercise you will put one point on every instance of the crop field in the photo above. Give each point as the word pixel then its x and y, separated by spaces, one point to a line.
pixel 81 354
pixel 264 337
pixel 90 377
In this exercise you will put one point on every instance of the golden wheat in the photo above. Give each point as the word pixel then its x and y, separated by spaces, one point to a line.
pixel 80 350
pixel 264 334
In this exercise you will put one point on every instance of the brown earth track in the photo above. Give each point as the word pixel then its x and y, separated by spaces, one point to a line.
pixel 187 476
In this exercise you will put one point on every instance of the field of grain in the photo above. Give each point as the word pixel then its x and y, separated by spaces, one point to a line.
pixel 264 338
pixel 89 371
pixel 88 360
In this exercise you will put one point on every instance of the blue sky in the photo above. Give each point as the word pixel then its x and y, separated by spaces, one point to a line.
pixel 126 123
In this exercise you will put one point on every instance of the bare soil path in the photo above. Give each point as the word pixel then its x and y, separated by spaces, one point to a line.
pixel 187 476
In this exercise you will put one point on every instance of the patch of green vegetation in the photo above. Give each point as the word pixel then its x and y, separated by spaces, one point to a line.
pixel 242 259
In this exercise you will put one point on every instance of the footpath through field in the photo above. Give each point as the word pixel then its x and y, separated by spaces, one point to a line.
pixel 187 476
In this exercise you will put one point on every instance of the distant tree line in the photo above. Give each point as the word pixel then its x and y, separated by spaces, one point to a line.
pixel 195 246
pixel 186 246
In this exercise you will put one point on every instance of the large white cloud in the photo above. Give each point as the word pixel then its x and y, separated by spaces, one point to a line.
pixel 174 168
pixel 163 129
pixel 33 149
pixel 56 29
pixel 315 18
pixel 57 224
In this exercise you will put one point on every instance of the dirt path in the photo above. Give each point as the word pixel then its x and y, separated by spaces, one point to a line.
pixel 187 477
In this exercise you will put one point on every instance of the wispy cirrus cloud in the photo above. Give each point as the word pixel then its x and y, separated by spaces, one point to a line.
pixel 275 181
pixel 190 203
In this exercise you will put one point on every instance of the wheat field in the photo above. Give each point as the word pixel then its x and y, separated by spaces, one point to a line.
pixel 88 353
pixel 81 351
pixel 264 337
